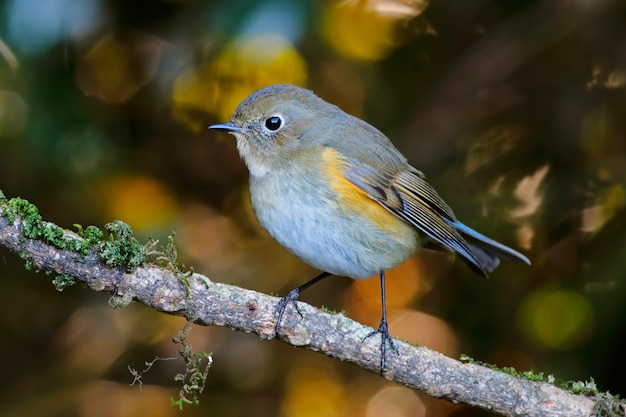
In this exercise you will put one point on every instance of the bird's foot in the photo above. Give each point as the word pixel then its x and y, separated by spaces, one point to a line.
pixel 383 330
pixel 282 306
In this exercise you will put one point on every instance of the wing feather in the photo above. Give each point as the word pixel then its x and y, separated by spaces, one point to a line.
pixel 411 198
pixel 413 184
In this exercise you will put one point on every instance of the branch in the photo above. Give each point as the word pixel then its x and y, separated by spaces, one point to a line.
pixel 207 303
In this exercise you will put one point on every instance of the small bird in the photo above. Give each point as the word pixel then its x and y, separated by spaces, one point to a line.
pixel 334 191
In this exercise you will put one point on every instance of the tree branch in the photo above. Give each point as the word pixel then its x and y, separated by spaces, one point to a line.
pixel 204 302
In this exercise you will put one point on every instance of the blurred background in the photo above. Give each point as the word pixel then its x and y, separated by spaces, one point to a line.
pixel 515 111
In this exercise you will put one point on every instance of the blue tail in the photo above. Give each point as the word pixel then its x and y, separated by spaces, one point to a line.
pixel 486 252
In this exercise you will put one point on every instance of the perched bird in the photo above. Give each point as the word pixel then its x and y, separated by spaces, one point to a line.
pixel 334 190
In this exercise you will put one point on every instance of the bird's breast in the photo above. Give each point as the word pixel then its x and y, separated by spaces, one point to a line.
pixel 320 216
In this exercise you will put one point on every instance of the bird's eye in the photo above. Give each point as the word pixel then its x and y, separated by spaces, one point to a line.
pixel 273 123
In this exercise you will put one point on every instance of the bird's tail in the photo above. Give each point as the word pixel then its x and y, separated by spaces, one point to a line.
pixel 486 252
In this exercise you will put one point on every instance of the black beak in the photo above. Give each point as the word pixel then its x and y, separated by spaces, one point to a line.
pixel 226 127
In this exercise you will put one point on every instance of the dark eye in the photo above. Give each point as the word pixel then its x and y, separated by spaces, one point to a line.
pixel 273 123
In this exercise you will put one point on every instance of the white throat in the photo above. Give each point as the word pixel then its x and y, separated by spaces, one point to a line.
pixel 256 162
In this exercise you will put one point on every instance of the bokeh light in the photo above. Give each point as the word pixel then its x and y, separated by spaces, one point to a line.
pixel 359 32
pixel 35 26
pixel 425 330
pixel 13 113
pixel 313 391
pixel 145 203
pixel 118 66
pixel 244 65
pixel 556 319
pixel 396 402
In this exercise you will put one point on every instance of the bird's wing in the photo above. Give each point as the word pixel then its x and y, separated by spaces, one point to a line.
pixel 407 195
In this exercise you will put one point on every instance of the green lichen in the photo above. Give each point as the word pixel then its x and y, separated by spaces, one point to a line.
pixel 328 310
pixel 31 220
pixel 9 212
pixel 183 278
pixel 63 281
pixel 530 375
pixel 331 311
pixel 34 227
pixel 123 301
pixel 608 405
pixel 28 262
pixel 586 388
pixel 121 249
pixel 408 342
pixel 193 380
pixel 165 257
pixel 91 236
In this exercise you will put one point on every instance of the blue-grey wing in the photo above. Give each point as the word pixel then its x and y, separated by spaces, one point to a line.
pixel 407 195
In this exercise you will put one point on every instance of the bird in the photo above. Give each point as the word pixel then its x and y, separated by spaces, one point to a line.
pixel 336 192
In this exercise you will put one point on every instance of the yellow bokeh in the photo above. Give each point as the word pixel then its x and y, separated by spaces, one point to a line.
pixel 143 202
pixel 116 67
pixel 359 32
pixel 244 65
pixel 402 285
pixel 313 391
pixel 396 402
pixel 555 318
pixel 110 399
pixel 425 330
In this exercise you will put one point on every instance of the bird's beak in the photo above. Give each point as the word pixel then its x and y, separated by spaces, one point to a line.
pixel 226 127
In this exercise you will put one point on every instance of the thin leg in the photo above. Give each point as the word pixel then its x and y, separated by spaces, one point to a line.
pixel 383 328
pixel 293 296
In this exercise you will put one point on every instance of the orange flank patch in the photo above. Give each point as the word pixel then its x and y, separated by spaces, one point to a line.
pixel 355 200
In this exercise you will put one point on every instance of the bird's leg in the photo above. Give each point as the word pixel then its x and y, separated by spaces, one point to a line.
pixel 383 328
pixel 292 297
